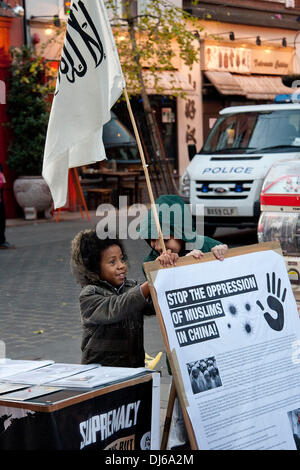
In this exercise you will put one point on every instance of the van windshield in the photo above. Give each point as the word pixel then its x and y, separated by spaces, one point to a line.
pixel 252 132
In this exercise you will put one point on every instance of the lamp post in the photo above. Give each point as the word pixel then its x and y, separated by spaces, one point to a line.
pixel 201 62
pixel 296 67
pixel 25 32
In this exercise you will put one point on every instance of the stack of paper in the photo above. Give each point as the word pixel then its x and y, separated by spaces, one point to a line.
pixel 9 367
pixel 28 393
pixel 50 373
pixel 10 387
pixel 100 376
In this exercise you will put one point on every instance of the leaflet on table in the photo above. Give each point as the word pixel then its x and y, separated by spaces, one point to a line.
pixel 9 367
pixel 50 373
pixel 235 330
pixel 6 387
pixel 101 376
pixel 30 392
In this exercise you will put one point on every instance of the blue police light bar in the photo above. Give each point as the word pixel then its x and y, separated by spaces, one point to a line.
pixel 293 98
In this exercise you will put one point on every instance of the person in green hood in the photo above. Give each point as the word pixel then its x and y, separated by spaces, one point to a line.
pixel 179 232
pixel 181 239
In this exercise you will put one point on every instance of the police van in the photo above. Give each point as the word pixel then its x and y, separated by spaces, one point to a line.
pixel 226 176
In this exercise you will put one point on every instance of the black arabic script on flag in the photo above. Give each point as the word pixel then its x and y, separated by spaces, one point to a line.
pixel 73 63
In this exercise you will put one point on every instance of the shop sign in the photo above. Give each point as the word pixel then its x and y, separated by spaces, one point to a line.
pixel 227 59
pixel 167 115
pixel 270 61
pixel 275 61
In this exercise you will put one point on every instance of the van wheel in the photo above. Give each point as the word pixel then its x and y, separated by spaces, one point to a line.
pixel 209 231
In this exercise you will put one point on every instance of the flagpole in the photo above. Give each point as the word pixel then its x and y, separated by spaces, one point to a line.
pixel 145 168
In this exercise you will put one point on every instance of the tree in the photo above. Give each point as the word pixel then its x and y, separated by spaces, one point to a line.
pixel 28 110
pixel 153 40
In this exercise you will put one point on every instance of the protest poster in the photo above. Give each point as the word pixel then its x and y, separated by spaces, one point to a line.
pixel 232 334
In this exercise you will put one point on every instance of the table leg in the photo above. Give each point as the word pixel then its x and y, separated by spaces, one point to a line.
pixel 136 189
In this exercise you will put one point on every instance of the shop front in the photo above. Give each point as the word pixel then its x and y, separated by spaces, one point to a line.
pixel 11 34
pixel 5 27
pixel 241 74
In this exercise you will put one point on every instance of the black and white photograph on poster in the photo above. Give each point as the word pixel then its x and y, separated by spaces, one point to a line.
pixel 294 418
pixel 243 313
pixel 204 375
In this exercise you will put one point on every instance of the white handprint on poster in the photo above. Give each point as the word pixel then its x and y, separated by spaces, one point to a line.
pixel 233 326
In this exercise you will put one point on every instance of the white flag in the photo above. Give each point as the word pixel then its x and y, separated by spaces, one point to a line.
pixel 90 81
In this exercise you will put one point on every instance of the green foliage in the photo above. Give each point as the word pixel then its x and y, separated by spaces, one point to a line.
pixel 27 110
pixel 153 40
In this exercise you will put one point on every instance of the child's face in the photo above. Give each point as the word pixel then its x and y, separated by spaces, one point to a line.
pixel 113 267
pixel 172 244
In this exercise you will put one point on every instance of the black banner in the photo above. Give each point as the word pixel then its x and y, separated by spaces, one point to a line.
pixel 198 294
pixel 120 420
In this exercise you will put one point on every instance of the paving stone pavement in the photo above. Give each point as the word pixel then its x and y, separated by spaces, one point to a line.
pixel 39 311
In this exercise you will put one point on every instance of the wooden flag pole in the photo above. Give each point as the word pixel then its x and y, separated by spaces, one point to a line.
pixel 145 168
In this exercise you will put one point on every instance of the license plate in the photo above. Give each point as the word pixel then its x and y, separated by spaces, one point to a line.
pixel 221 211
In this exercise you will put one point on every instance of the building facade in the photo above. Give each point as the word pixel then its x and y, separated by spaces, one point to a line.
pixel 11 34
pixel 245 48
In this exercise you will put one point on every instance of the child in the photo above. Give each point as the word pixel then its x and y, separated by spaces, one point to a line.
pixel 178 230
pixel 112 307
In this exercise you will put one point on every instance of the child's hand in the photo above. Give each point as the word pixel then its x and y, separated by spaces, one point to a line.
pixel 196 254
pixel 219 251
pixel 168 258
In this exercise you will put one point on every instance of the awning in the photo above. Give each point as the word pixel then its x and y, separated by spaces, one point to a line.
pixel 257 87
pixel 225 83
pixel 169 83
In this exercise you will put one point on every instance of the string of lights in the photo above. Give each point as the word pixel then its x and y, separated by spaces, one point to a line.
pixel 258 39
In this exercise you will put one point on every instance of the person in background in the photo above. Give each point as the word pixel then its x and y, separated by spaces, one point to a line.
pixel 197 382
pixel 210 383
pixel 215 376
pixel 295 421
pixel 178 230
pixel 4 245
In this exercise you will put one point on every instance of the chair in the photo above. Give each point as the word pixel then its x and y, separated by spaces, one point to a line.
pixel 128 189
pixel 96 196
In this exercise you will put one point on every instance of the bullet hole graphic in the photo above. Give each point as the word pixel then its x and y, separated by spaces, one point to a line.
pixel 248 328
pixel 232 309
pixel 243 314
pixel 275 303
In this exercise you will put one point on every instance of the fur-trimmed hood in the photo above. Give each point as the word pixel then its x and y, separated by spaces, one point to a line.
pixel 82 275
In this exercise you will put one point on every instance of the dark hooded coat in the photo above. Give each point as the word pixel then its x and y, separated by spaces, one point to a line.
pixel 175 219
pixel 112 319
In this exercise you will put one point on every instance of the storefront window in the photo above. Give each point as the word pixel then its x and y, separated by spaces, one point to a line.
pixel 251 132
